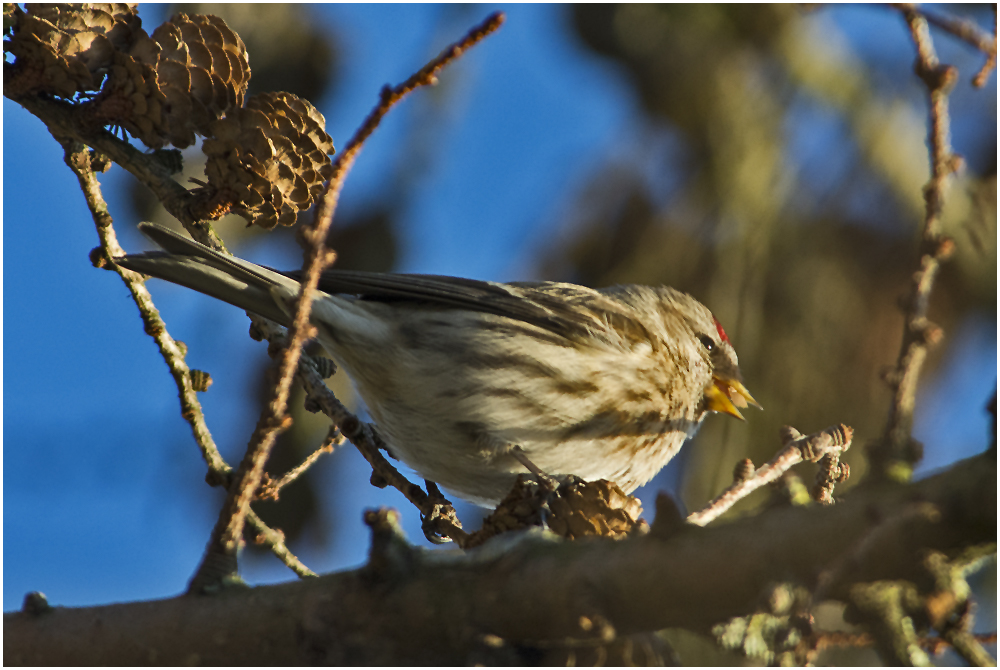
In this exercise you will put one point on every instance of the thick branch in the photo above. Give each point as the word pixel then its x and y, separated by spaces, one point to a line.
pixel 416 607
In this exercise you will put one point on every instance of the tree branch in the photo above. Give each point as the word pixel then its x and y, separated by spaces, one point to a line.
pixel 63 121
pixel 495 602
pixel 895 453
pixel 964 30
pixel 78 159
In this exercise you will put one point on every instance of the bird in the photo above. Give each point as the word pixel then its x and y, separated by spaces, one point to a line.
pixel 471 383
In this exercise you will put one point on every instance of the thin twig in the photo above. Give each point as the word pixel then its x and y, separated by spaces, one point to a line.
pixel 964 29
pixel 275 541
pixel 991 60
pixel 272 490
pixel 438 515
pixel 228 533
pixel 798 448
pixel 388 97
pixel 78 158
pixel 895 454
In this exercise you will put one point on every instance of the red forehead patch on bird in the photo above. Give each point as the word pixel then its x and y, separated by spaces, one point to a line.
pixel 722 333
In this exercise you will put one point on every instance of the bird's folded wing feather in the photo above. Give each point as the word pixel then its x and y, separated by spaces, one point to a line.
pixel 574 312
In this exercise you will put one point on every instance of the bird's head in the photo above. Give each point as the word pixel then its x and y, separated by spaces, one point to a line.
pixel 707 347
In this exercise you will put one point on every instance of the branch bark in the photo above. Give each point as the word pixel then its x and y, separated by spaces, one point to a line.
pixel 499 602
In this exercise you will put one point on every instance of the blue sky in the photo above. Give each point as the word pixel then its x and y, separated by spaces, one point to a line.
pixel 103 499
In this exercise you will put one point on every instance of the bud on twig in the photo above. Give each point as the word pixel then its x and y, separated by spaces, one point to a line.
pixel 200 380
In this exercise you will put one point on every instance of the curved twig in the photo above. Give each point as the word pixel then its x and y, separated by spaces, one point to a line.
pixel 439 515
pixel 832 441
pixel 78 159
pixel 271 490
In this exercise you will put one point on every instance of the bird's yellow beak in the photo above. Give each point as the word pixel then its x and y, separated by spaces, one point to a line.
pixel 725 395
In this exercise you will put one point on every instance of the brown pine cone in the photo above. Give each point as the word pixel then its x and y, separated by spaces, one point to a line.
pixel 203 72
pixel 67 49
pixel 174 84
pixel 576 508
pixel 267 161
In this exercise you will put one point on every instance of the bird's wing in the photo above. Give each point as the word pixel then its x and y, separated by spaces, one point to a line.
pixel 570 311
pixel 573 312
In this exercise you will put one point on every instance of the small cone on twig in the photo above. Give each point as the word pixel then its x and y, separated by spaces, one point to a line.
pixel 575 509
pixel 270 159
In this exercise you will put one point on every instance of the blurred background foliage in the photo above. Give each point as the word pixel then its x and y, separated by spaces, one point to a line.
pixel 774 170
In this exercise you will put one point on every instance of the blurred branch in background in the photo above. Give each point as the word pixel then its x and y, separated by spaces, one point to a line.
pixel 963 29
pixel 895 455
pixel 801 257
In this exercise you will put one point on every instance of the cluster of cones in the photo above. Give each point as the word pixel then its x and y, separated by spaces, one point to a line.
pixel 268 155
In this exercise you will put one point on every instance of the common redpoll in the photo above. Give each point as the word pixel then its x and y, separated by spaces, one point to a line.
pixel 471 382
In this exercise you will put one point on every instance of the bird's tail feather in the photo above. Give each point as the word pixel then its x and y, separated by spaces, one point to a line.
pixel 195 266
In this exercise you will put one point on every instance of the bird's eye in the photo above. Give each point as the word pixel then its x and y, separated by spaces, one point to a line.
pixel 707 342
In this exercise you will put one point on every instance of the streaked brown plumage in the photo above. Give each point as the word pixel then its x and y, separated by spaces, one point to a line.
pixel 469 380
